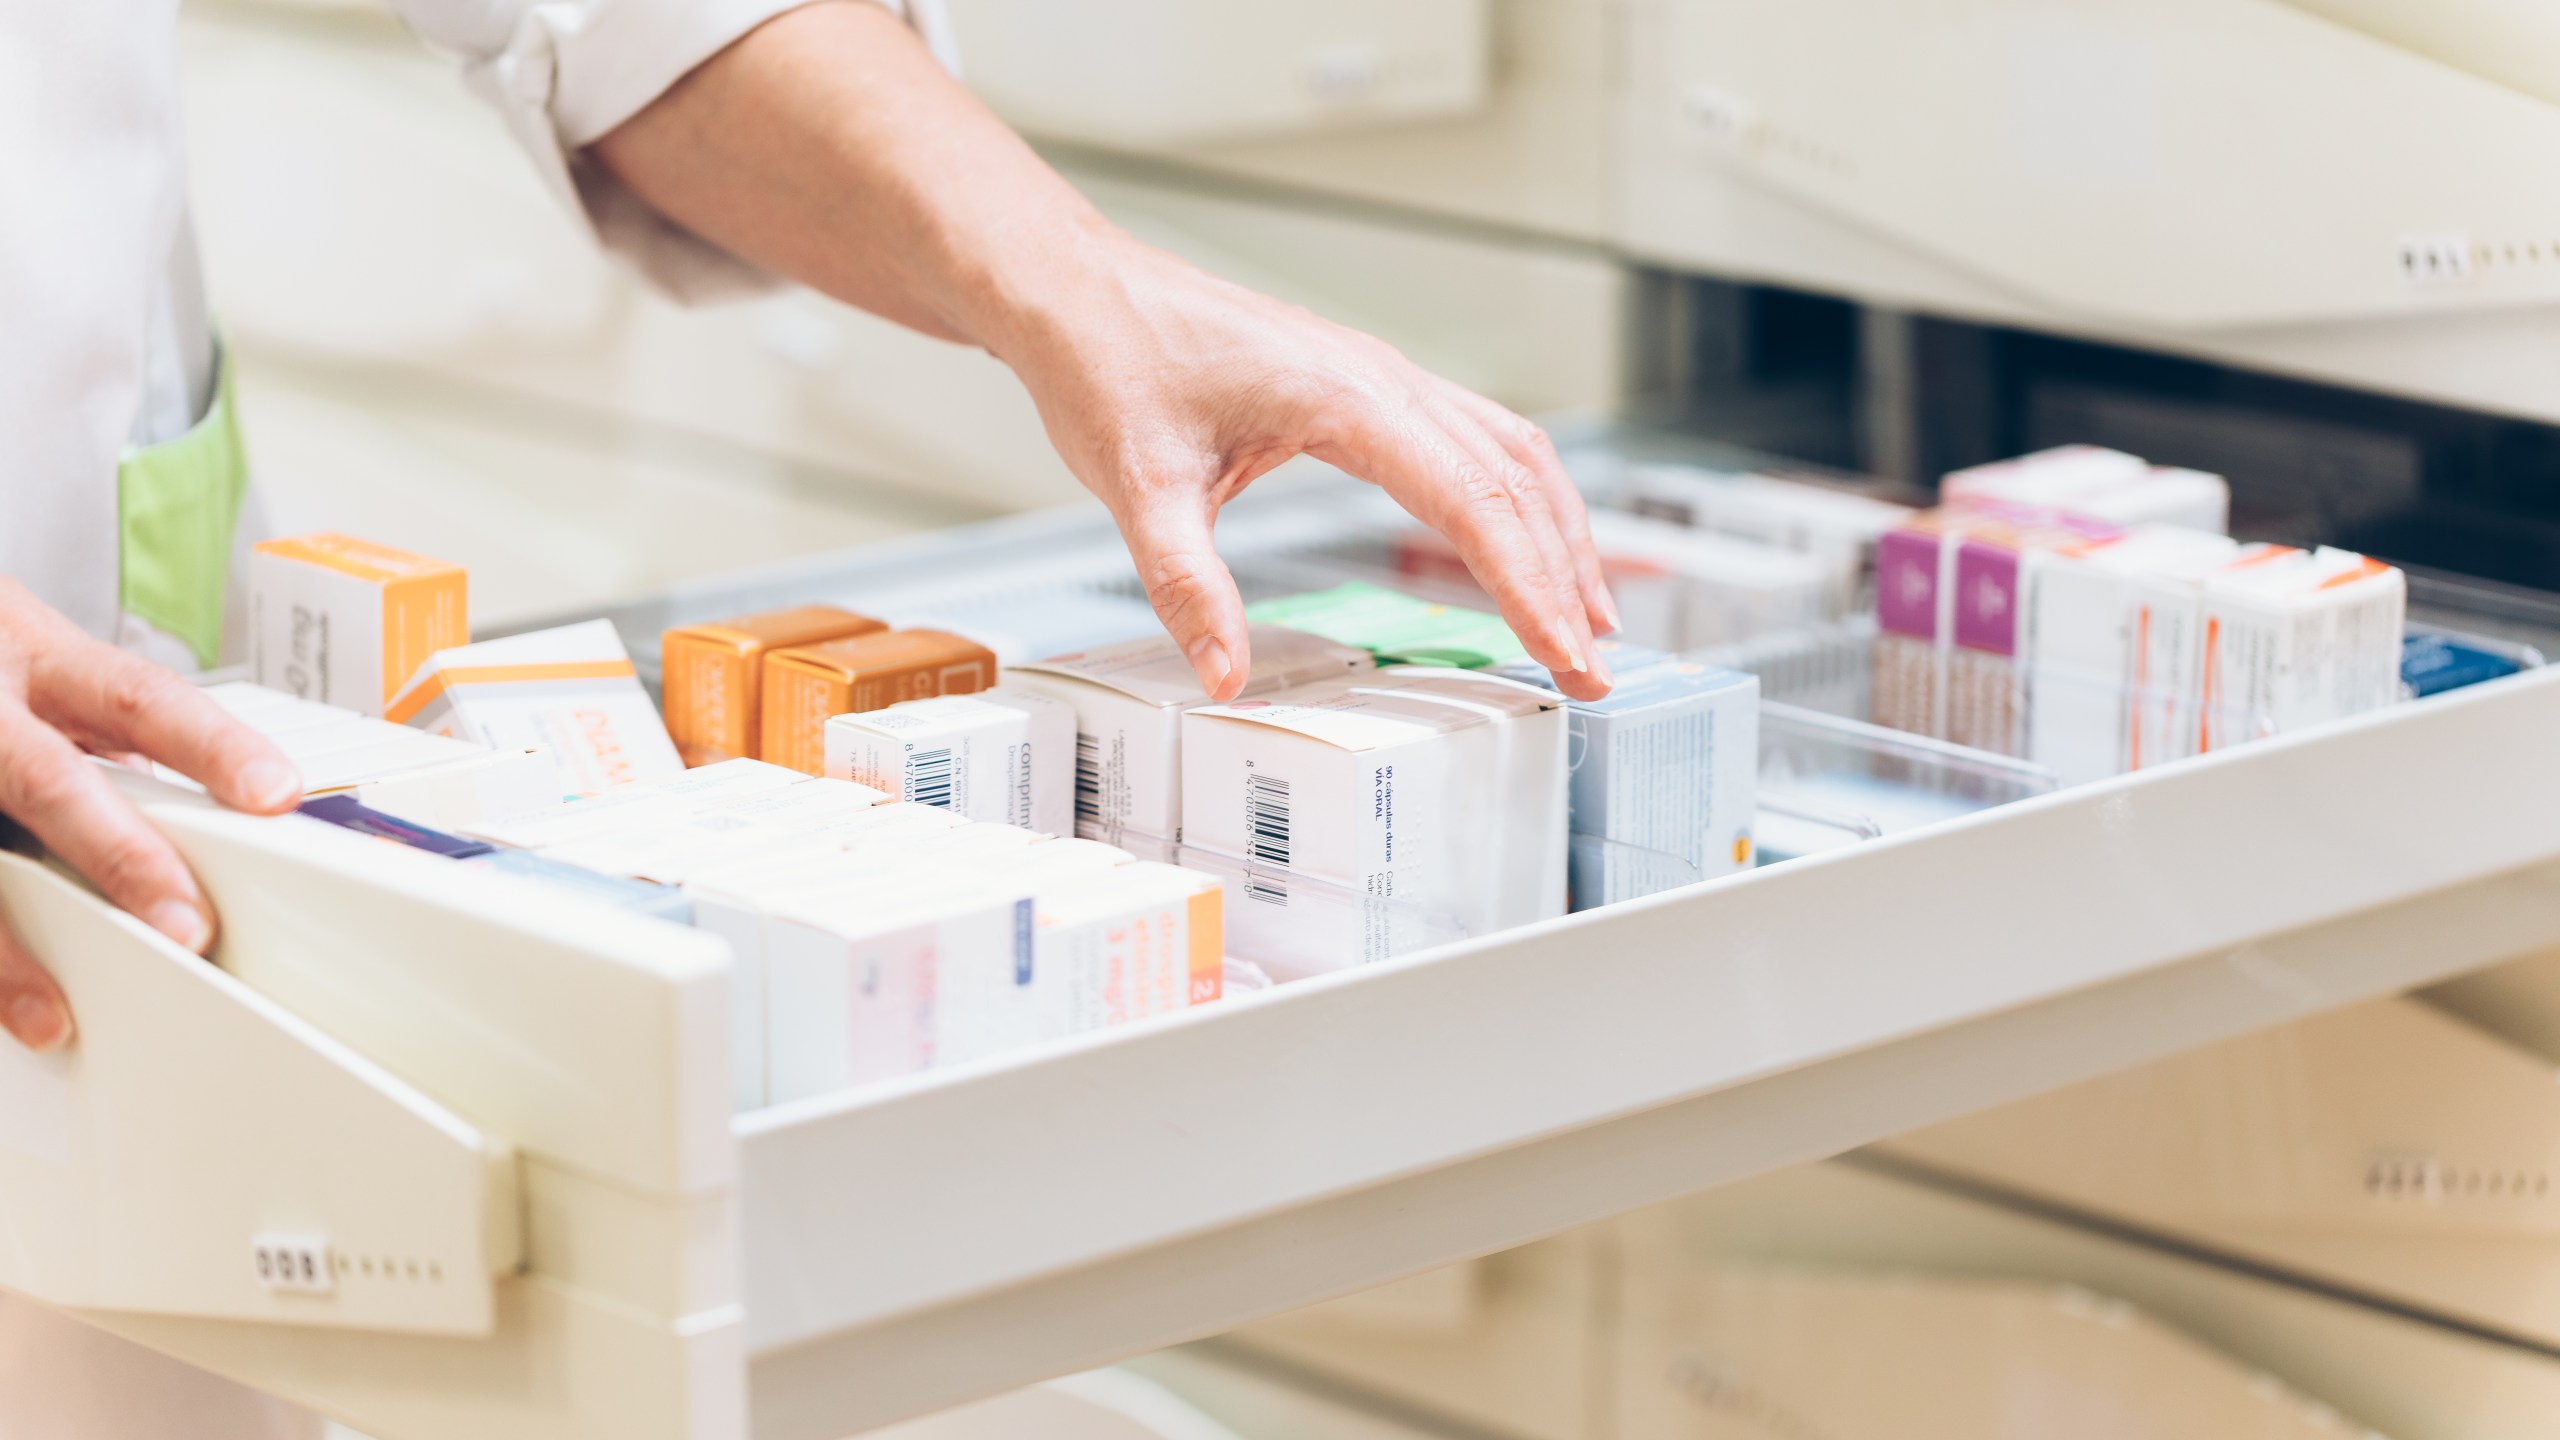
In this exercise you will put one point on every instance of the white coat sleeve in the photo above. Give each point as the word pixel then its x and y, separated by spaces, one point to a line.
pixel 563 73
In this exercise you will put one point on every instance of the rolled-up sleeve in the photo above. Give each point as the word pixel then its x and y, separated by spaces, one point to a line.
pixel 563 73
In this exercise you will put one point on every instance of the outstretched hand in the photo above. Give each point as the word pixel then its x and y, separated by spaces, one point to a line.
pixel 1167 391
pixel 828 146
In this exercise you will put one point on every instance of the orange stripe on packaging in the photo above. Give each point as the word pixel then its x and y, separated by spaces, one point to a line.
pixel 1208 944
pixel 425 693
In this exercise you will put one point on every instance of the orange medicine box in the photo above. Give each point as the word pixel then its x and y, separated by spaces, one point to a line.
pixel 347 622
pixel 806 685
pixel 714 675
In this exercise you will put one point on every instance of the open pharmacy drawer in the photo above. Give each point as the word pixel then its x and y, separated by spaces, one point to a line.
pixel 446 1157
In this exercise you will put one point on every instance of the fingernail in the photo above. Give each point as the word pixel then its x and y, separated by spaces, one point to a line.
pixel 271 784
pixel 1600 670
pixel 1609 611
pixel 1573 661
pixel 1209 661
pixel 39 1021
pixel 181 922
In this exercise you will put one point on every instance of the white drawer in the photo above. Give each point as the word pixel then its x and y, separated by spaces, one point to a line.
pixel 812 1270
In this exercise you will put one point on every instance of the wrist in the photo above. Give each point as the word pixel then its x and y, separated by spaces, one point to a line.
pixel 1053 287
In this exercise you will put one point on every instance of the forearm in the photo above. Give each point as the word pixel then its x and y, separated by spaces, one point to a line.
pixel 828 146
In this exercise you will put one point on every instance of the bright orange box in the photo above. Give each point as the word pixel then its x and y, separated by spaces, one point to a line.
pixel 806 685
pixel 712 676
pixel 348 622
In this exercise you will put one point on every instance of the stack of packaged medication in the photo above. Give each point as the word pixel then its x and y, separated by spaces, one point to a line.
pixel 1360 817
pixel 1838 528
pixel 432 780
pixel 1005 755
pixel 1676 588
pixel 873 937
pixel 2097 484
pixel 1948 617
pixel 1127 701
pixel 2096 650
pixel 807 685
pixel 1951 583
pixel 711 677
pixel 381 632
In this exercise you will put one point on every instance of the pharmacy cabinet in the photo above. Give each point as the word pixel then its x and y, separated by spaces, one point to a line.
pixel 538 1089
pixel 1856 1219
pixel 1722 1308
pixel 2386 1149
pixel 1512 1344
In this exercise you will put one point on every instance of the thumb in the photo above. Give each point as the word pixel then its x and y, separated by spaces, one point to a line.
pixel 31 1005
pixel 1190 588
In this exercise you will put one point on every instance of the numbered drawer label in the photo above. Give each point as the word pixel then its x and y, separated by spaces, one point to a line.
pixel 298 1264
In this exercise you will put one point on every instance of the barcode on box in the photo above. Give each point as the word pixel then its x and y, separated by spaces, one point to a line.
pixel 1265 888
pixel 1266 818
pixel 928 779
pixel 1088 777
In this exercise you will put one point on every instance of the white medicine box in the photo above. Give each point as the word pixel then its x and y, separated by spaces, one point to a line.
pixel 1435 789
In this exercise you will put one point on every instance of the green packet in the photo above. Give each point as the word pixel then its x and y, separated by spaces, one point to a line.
pixel 1397 628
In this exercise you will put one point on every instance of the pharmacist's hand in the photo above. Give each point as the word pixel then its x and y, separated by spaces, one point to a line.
pixel 1168 391
pixel 828 145
pixel 63 693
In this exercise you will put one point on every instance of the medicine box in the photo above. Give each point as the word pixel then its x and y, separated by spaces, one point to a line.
pixel 430 780
pixel 712 676
pixel 2434 661
pixel 1684 589
pixel 1432 789
pixel 2295 638
pixel 1138 940
pixel 347 622
pixel 1676 588
pixel 1665 784
pixel 807 685
pixel 571 691
pixel 1838 527
pixel 926 964
pixel 636 806
pixel 1006 755
pixel 2098 484
pixel 2111 649
pixel 1128 701
pixel 868 989
pixel 1949 610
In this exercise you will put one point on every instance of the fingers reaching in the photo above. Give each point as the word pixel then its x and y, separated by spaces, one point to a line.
pixel 1539 520
pixel 1448 472
pixel 114 703
pixel 1169 537
pixel 48 786
pixel 1528 444
pixel 32 1009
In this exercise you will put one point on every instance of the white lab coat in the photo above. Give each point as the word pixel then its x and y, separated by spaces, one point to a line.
pixel 104 342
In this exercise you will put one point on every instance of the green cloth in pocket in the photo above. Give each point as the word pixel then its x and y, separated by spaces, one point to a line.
pixel 177 504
